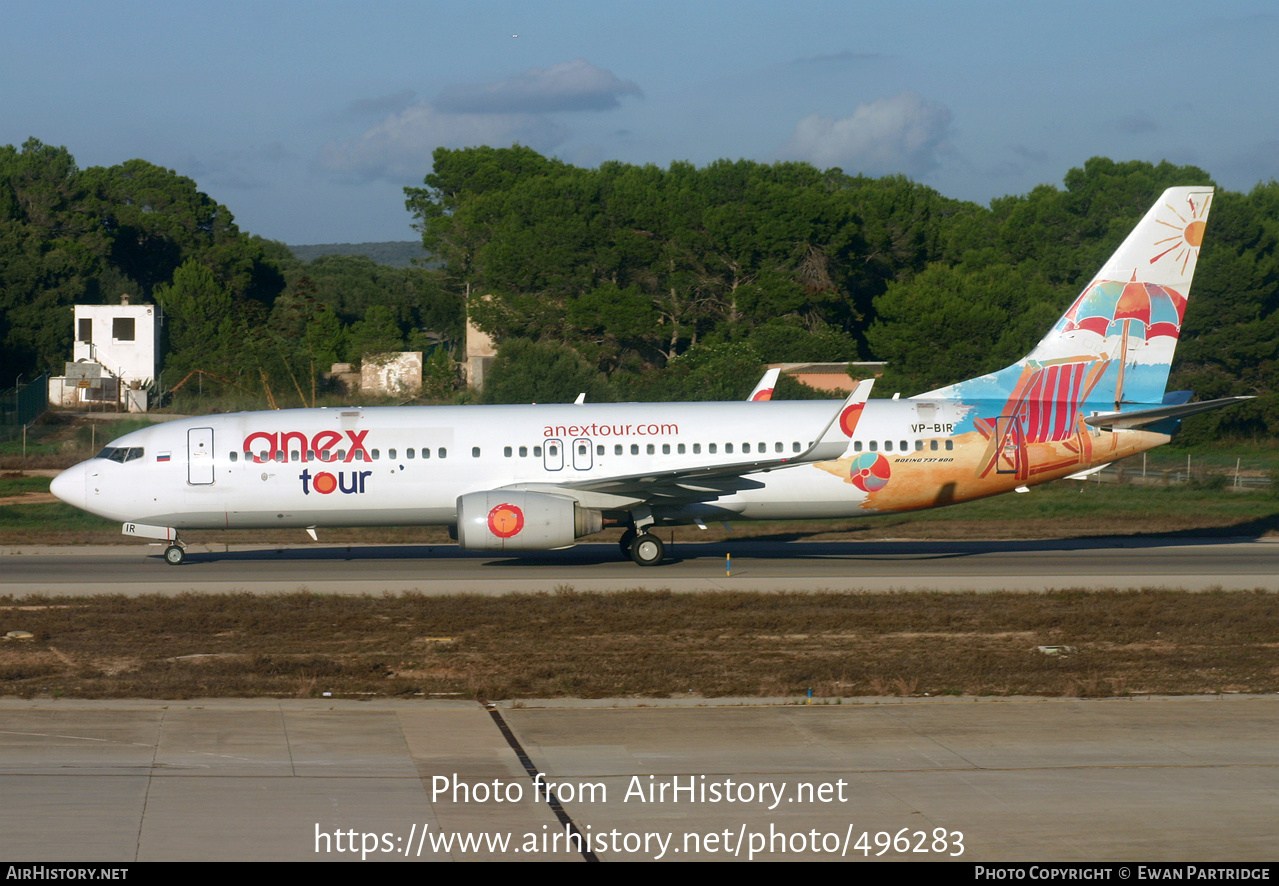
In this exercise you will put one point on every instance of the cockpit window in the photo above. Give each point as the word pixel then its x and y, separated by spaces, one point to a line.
pixel 121 453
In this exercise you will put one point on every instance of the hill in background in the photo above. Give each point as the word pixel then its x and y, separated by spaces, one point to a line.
pixel 393 253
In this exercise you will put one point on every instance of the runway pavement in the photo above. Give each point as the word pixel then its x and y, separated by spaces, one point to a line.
pixel 759 565
pixel 1162 779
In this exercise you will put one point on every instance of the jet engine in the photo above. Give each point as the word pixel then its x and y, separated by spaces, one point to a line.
pixel 522 521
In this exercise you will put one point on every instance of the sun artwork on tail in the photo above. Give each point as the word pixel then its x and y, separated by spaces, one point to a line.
pixel 1189 231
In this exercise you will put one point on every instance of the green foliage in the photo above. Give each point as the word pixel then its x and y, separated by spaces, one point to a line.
pixel 525 371
pixel 377 333
pixel 987 316
pixel 391 253
pixel 722 371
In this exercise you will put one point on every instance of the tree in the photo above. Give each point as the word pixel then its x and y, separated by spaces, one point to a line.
pixel 525 371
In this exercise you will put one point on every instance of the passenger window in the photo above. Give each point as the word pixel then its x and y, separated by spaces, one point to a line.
pixel 507 451
pixel 728 448
pixel 443 453
pixel 651 449
pixel 697 449
pixel 391 454
pixel 874 446
pixel 523 452
pixel 359 455
pixel 634 449
pixel 295 456
pixel 680 449
pixel 537 451
pixel 780 448
pixel 888 445
pixel 410 452
pixel 310 455
pixel 552 450
pixel 617 449
pixel 857 446
pixel 377 453
pixel 711 449
pixel 279 456
pixel 666 449
pixel 904 446
pixel 932 444
pixel 426 453
pixel 475 452
pixel 919 444
pixel 233 455
pixel 746 447
pixel 599 450
pixel 341 455
pixel 950 444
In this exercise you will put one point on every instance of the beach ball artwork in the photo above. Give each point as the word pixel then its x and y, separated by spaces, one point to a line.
pixel 869 472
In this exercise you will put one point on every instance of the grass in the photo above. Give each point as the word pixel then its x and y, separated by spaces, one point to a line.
pixel 642 644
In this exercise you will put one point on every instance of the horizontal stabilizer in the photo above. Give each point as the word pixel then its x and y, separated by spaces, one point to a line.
pixel 1143 417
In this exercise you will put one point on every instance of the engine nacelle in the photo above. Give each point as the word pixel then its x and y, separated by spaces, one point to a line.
pixel 522 521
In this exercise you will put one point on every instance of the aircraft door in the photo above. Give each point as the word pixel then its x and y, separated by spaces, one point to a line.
pixel 200 457
pixel 582 454
pixel 553 454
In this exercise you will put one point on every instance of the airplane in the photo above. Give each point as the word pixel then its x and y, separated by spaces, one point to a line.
pixel 543 476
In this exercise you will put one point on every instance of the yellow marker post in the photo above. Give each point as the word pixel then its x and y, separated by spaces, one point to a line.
pixel 728 564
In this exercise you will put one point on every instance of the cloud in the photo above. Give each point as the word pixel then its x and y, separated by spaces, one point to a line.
pixel 569 86
pixel 516 109
pixel 904 133
pixel 400 147
pixel 244 169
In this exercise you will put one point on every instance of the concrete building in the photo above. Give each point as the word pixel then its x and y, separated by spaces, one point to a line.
pixel 115 357
pixel 834 377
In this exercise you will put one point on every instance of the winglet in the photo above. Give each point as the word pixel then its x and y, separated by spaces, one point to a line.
pixel 836 438
pixel 851 412
pixel 764 390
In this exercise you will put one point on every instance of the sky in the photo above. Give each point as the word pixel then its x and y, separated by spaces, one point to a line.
pixel 308 119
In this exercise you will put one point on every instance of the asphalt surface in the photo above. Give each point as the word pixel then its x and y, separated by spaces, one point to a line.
pixel 1160 779
pixel 1192 564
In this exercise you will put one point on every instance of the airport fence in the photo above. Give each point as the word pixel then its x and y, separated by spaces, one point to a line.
pixel 22 405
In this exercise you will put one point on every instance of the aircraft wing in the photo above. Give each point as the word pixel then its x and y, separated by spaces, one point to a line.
pixel 704 482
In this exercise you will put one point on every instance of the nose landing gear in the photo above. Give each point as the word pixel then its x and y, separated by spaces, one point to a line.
pixel 174 555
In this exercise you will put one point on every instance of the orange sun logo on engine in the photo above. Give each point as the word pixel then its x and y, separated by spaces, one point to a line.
pixel 506 520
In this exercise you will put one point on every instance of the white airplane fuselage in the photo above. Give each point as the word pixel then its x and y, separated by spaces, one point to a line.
pixel 410 465
pixel 540 477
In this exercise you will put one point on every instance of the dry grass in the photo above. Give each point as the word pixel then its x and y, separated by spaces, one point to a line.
pixel 642 644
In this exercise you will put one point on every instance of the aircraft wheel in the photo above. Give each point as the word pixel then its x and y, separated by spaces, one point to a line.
pixel 625 542
pixel 174 555
pixel 648 550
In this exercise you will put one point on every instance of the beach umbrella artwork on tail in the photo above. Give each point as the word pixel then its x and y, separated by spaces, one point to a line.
pixel 1109 306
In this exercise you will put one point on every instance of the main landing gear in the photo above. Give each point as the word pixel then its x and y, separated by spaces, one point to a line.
pixel 643 547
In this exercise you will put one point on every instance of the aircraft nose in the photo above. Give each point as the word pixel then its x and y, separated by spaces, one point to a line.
pixel 69 486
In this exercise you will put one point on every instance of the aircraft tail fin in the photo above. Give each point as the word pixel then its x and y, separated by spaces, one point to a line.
pixel 1115 343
